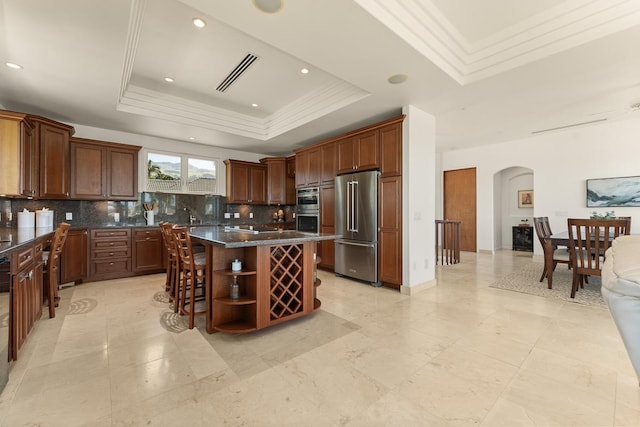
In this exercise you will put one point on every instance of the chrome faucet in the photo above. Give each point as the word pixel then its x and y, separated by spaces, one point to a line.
pixel 192 217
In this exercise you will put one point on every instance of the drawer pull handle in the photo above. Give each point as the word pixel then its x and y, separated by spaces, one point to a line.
pixel 110 253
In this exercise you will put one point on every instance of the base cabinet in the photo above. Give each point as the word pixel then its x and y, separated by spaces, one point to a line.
pixel 390 235
pixel 147 250
pixel 73 261
pixel 110 255
pixel 25 294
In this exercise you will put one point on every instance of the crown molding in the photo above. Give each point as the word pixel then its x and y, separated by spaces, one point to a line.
pixel 572 23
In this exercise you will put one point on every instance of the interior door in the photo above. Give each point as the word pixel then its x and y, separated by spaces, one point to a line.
pixel 459 204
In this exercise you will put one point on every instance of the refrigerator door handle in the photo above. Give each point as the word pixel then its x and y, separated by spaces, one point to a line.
pixel 364 245
pixel 355 213
pixel 348 216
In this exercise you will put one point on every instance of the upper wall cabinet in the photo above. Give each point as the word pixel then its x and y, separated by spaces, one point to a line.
pixel 246 182
pixel 359 152
pixel 103 170
pixel 18 156
pixel 280 181
pixel 391 150
pixel 308 167
pixel 52 139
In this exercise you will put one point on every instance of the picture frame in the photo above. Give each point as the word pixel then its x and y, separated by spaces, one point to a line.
pixel 613 192
pixel 525 198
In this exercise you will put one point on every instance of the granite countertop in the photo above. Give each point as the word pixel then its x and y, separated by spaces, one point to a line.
pixel 12 238
pixel 235 238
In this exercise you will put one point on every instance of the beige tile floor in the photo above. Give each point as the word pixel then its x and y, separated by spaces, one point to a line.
pixel 459 354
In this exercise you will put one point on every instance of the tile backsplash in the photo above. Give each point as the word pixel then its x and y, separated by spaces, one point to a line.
pixel 174 208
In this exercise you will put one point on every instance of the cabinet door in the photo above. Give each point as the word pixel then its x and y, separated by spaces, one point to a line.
pixel 147 250
pixel 28 162
pixel 328 163
pixel 88 173
pixel 238 182
pixel 390 236
pixel 327 221
pixel 276 181
pixel 73 260
pixel 122 174
pixel 54 161
pixel 391 150
pixel 346 160
pixel 258 187
pixel 313 173
pixel 367 152
pixel 302 168
pixel 291 181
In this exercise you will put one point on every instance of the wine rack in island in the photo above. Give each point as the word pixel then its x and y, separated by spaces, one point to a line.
pixel 276 284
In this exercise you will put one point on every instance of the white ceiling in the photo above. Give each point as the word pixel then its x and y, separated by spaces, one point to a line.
pixel 489 71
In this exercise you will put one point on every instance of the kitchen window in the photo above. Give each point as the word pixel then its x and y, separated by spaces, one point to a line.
pixel 180 173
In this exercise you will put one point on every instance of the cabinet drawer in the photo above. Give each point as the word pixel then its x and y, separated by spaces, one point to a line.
pixel 23 258
pixel 114 253
pixel 109 244
pixel 144 234
pixel 108 267
pixel 110 234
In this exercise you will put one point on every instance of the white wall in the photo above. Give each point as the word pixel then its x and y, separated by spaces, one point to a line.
pixel 170 145
pixel 561 162
pixel 418 197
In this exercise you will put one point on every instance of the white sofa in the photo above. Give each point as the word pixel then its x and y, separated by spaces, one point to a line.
pixel 621 292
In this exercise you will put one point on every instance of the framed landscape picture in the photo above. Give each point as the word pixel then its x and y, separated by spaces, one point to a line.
pixel 525 198
pixel 609 192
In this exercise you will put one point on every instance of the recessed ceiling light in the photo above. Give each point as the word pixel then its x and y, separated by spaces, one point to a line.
pixel 168 79
pixel 192 138
pixel 254 105
pixel 269 6
pixel 14 65
pixel 199 23
pixel 305 71
pixel 396 79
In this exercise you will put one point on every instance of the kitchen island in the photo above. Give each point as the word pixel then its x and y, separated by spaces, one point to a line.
pixel 276 282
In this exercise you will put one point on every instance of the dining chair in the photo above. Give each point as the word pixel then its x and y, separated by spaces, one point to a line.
pixel 51 260
pixel 552 253
pixel 589 240
pixel 193 275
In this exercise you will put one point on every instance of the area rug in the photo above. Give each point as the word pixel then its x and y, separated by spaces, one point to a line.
pixel 527 281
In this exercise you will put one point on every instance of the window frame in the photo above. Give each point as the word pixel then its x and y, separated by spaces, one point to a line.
pixel 181 186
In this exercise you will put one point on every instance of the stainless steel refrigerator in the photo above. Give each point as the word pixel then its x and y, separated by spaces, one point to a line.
pixel 356 220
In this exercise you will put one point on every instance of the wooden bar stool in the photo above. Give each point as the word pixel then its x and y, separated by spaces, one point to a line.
pixel 193 269
pixel 172 284
pixel 51 259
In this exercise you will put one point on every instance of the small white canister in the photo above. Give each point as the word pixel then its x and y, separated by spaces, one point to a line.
pixel 236 265
pixel 26 219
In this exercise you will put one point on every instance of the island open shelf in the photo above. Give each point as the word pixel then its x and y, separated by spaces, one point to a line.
pixel 277 282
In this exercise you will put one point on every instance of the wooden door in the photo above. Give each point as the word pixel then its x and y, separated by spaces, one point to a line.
pixel 459 203
pixel 367 150
pixel 328 167
pixel 346 160
pixel 258 185
pixel 73 260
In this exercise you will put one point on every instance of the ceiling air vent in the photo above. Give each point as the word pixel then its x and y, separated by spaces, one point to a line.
pixel 237 72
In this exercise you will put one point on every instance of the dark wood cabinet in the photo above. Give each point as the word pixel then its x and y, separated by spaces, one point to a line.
pixel 110 253
pixel 25 294
pixel 328 163
pixel 390 236
pixel 246 182
pixel 359 152
pixel 101 170
pixel 52 139
pixel 391 150
pixel 326 248
pixel 276 180
pixel 291 181
pixel 308 167
pixel 147 250
pixel 73 260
